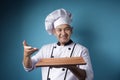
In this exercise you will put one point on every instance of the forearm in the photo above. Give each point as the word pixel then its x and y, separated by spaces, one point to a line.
pixel 79 73
pixel 27 61
pixel 28 51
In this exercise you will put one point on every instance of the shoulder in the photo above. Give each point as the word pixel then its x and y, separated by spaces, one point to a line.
pixel 80 46
pixel 82 49
pixel 48 45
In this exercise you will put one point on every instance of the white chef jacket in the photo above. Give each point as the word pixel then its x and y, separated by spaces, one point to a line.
pixel 62 51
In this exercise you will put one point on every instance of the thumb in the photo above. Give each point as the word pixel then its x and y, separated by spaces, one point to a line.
pixel 25 43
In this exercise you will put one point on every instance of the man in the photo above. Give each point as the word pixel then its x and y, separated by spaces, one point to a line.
pixel 58 23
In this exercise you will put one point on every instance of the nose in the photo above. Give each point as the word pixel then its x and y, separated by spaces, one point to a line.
pixel 63 32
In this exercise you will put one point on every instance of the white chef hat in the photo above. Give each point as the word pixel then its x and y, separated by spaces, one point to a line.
pixel 57 17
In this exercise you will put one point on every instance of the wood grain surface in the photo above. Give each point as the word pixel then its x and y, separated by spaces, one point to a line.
pixel 66 61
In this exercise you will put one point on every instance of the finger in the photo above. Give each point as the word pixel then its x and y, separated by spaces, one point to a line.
pixel 34 49
pixel 25 43
pixel 27 47
pixel 31 49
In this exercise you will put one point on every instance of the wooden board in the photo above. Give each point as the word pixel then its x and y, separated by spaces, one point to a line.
pixel 60 61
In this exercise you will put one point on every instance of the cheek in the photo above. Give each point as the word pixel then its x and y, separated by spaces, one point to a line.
pixel 69 34
pixel 57 35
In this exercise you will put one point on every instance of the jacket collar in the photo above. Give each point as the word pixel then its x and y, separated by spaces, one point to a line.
pixel 69 42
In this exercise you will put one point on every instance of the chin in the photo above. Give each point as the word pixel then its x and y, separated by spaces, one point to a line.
pixel 64 41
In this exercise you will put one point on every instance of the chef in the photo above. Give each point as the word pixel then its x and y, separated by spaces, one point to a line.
pixel 58 23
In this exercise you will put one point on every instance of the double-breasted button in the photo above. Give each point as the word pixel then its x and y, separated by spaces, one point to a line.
pixel 69 48
pixel 55 47
pixel 63 69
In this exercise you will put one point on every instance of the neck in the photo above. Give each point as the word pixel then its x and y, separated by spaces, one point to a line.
pixel 64 44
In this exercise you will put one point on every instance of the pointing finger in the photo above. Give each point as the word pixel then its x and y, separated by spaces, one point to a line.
pixel 25 43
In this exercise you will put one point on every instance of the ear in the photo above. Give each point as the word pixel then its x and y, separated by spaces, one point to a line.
pixel 54 32
pixel 71 29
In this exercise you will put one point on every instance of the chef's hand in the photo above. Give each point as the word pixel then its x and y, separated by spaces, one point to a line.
pixel 28 50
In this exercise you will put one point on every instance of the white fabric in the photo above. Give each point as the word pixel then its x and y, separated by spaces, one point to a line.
pixel 57 17
pixel 62 51
pixel 62 20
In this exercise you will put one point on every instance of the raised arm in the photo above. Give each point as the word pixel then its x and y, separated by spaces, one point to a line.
pixel 28 50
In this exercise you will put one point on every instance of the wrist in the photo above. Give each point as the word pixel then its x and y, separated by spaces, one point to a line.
pixel 26 55
pixel 71 67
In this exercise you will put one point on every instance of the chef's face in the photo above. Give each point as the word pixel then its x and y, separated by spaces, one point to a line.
pixel 63 33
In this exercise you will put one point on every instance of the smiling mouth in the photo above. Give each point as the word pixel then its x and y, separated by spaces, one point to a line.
pixel 63 37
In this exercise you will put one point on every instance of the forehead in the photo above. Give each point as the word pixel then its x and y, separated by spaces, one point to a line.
pixel 62 26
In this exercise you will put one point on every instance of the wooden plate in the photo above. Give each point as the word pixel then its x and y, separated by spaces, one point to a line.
pixel 60 61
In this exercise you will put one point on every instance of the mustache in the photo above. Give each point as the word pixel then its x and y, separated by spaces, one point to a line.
pixel 64 36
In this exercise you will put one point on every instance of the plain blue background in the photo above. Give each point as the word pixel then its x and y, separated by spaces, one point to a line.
pixel 96 26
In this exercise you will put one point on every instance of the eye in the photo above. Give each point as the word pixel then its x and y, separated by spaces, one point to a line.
pixel 67 29
pixel 58 30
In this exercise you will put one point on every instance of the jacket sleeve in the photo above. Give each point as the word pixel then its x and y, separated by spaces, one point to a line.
pixel 88 66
